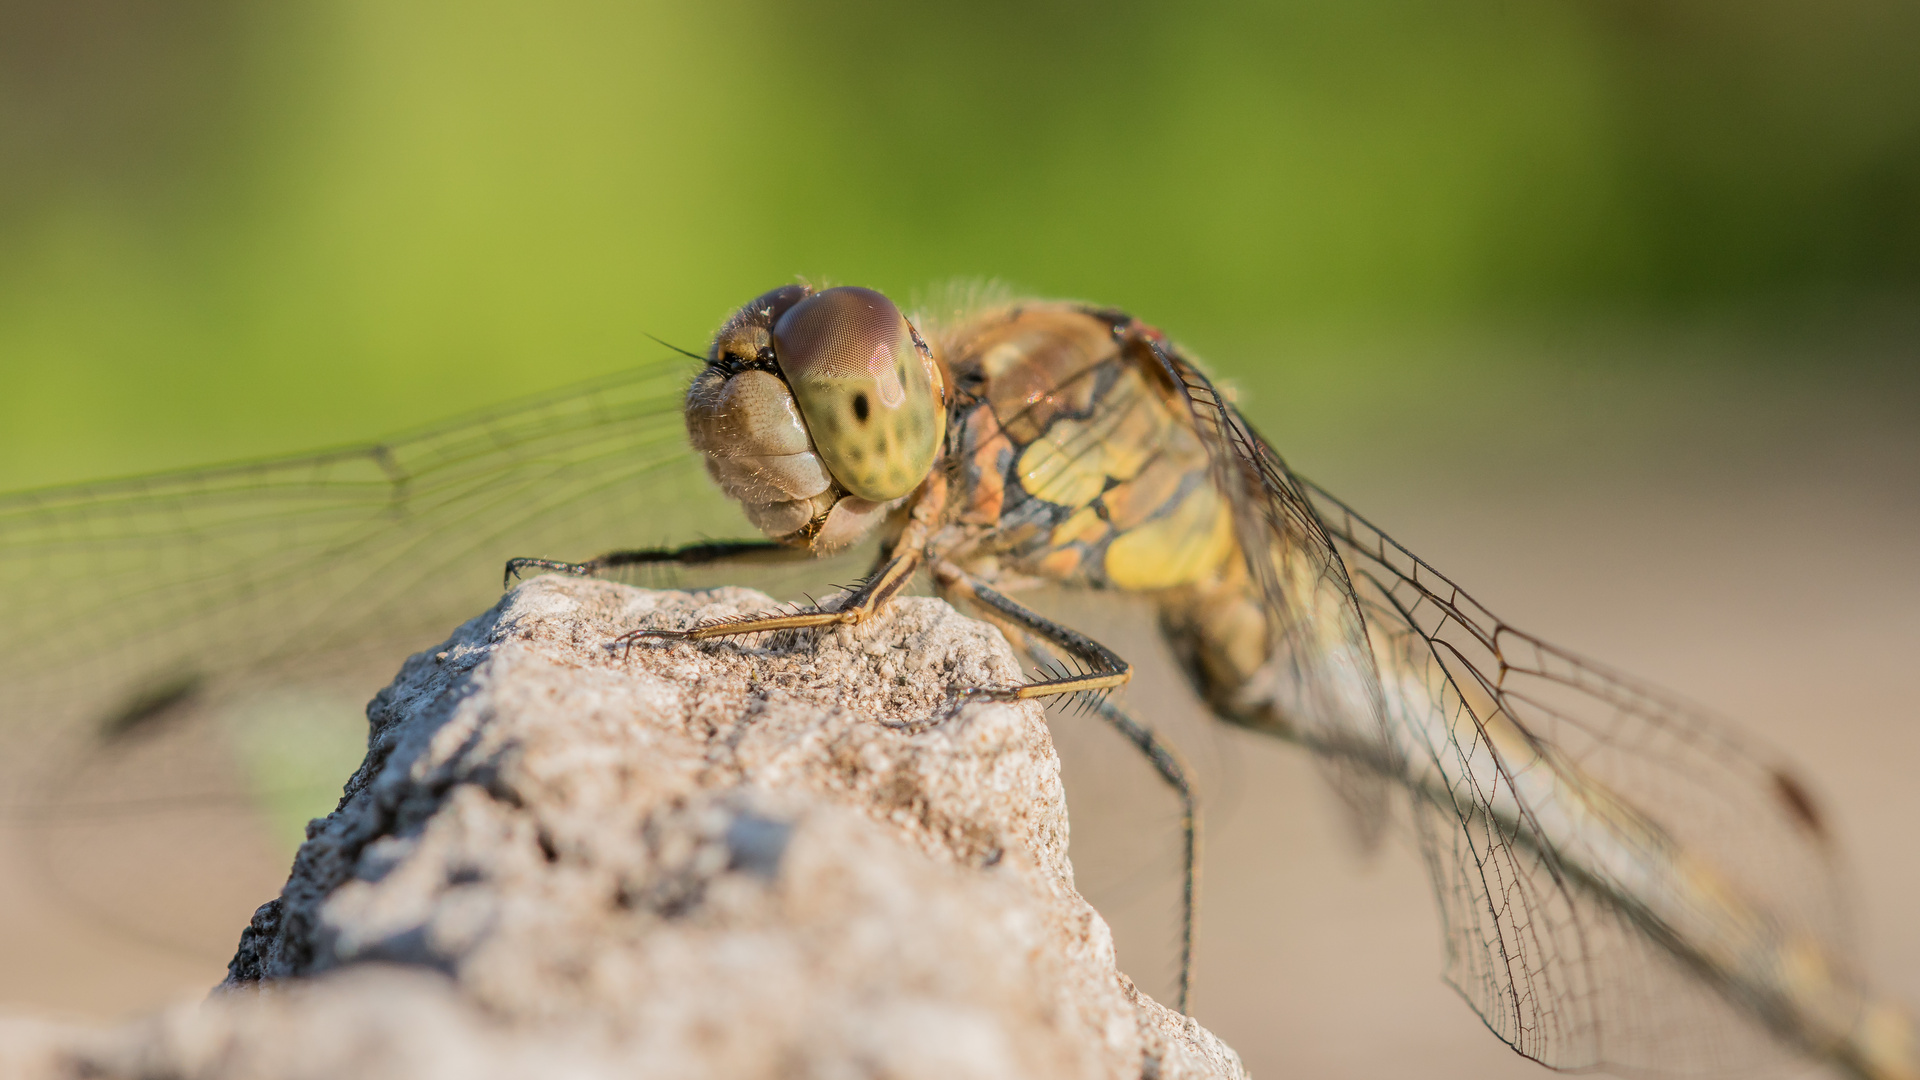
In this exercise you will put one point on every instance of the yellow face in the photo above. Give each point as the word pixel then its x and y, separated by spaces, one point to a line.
pixel 818 411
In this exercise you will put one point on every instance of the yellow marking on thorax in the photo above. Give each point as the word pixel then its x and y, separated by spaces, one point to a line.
pixel 1132 503
pixel 1180 548
pixel 1084 526
pixel 1070 462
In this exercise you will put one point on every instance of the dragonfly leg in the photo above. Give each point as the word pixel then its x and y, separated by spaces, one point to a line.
pixel 685 555
pixel 1108 670
pixel 1104 668
pixel 880 587
pixel 905 555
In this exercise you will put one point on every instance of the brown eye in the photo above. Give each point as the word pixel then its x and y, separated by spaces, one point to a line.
pixel 767 308
pixel 747 335
pixel 870 399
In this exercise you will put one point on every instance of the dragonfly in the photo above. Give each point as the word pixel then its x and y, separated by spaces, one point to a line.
pixel 1625 881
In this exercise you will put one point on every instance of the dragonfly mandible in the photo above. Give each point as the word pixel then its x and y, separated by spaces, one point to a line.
pixel 1624 881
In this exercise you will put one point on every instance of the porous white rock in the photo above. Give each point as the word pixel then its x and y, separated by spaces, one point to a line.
pixel 734 859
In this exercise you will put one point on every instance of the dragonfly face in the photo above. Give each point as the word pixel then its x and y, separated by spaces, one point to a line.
pixel 819 412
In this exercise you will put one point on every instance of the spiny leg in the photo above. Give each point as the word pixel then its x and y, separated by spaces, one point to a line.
pixel 905 553
pixel 894 574
pixel 1105 668
pixel 1109 671
pixel 686 555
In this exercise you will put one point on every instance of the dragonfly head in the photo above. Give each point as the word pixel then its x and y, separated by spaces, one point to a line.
pixel 818 411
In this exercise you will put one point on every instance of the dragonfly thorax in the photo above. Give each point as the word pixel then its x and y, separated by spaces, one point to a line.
pixel 819 412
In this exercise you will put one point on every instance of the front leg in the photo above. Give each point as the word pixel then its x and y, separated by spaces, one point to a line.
pixel 883 585
pixel 712 551
pixel 904 556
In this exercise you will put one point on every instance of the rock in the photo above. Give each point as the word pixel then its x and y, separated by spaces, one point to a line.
pixel 724 860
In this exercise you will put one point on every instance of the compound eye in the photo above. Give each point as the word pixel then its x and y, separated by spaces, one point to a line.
pixel 765 310
pixel 748 333
pixel 872 400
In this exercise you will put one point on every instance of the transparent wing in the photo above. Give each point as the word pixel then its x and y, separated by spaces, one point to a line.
pixel 184 657
pixel 1321 668
pixel 124 603
pixel 1624 881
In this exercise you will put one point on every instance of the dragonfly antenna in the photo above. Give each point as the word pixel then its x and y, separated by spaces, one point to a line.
pixel 678 349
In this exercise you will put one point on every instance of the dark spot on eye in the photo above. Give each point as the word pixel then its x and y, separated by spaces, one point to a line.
pixel 860 409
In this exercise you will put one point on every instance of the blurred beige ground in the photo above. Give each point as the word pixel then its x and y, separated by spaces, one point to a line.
pixel 1748 538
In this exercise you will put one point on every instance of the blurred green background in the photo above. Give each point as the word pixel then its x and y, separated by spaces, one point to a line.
pixel 232 229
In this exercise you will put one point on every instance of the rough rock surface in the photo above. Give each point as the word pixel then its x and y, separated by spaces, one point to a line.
pixel 722 860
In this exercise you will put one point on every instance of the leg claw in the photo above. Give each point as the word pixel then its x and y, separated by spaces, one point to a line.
pixel 625 642
pixel 956 702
